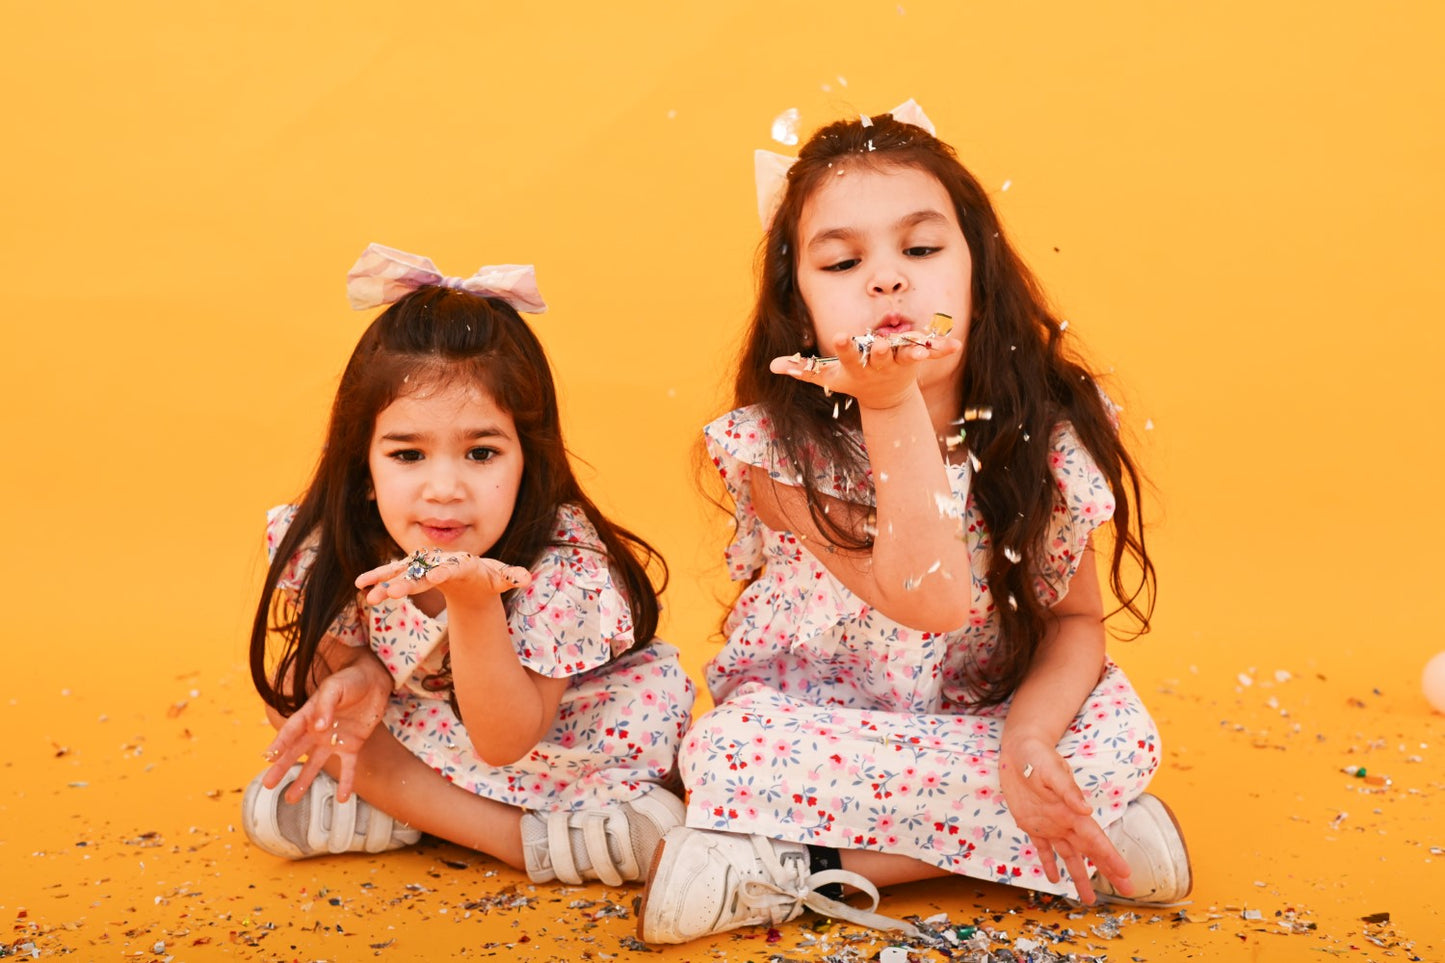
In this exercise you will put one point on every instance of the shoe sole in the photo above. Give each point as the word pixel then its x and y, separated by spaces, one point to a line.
pixel 647 891
pixel 1188 881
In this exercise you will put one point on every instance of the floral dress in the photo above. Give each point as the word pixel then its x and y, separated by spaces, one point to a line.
pixel 836 726
pixel 621 717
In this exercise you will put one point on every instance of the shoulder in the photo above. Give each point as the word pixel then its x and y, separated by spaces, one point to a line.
pixel 743 433
pixel 572 528
pixel 278 522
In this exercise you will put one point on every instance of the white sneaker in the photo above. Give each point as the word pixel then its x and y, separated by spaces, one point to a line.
pixel 318 824
pixel 1149 839
pixel 612 845
pixel 704 882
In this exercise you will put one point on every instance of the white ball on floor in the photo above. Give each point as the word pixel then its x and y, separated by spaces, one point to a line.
pixel 1433 682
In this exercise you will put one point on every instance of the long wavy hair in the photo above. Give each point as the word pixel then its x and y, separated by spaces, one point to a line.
pixel 1015 362
pixel 433 337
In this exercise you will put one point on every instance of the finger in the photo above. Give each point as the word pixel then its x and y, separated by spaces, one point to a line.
pixel 380 573
pixel 1045 850
pixel 518 576
pixel 1059 778
pixel 1079 873
pixel 346 779
pixel 297 789
pixel 1107 858
pixel 812 370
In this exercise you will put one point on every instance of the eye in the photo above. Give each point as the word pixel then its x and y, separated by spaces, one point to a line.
pixel 482 454
pixel 921 251
pixel 842 265
pixel 405 454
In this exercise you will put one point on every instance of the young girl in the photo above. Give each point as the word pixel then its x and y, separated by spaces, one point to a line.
pixel 914 681
pixel 445 575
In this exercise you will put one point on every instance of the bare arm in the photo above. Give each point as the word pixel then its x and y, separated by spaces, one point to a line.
pixel 917 572
pixel 347 702
pixel 506 707
pixel 1047 803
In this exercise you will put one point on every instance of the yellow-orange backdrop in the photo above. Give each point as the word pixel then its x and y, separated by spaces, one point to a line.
pixel 1237 205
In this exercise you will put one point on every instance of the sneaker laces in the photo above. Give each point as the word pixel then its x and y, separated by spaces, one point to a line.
pixel 789 889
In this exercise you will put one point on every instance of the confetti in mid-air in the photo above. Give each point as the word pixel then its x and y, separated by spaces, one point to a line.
pixel 785 127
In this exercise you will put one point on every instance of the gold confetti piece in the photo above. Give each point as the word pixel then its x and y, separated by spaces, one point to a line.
pixel 941 324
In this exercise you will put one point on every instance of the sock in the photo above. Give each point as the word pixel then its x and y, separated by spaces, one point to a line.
pixel 822 858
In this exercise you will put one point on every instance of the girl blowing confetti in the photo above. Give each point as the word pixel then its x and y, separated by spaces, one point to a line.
pixel 459 635
pixel 914 681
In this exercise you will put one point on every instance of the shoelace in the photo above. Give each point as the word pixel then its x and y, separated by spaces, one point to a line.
pixel 798 889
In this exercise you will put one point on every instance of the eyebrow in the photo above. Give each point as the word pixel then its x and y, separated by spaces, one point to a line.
pixel 474 434
pixel 847 233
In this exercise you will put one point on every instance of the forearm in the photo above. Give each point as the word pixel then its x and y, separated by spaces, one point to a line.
pixel 501 705
pixel 920 564
pixel 1066 668
pixel 334 655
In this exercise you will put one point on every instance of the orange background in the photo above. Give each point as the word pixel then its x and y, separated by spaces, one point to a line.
pixel 1238 206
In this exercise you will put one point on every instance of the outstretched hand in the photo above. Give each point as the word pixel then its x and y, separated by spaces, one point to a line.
pixel 449 572
pixel 878 374
pixel 1048 805
pixel 334 722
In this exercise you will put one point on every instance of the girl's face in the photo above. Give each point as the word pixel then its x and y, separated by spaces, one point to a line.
pixel 446 465
pixel 880 250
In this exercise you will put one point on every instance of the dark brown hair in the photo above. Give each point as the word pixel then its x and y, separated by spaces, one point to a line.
pixel 433 337
pixel 1015 363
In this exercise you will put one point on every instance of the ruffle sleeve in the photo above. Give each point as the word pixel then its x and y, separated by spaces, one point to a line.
pixel 573 617
pixel 744 439
pixel 347 627
pixel 1083 502
pixel 735 442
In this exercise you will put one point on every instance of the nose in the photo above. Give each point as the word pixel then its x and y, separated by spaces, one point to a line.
pixel 442 482
pixel 887 278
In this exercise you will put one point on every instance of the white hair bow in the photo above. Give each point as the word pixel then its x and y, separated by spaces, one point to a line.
pixel 770 170
pixel 383 275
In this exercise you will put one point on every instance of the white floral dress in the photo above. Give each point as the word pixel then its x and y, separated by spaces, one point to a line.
pixel 836 726
pixel 621 718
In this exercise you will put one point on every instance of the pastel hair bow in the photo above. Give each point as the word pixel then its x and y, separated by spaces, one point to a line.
pixel 383 274
pixel 770 170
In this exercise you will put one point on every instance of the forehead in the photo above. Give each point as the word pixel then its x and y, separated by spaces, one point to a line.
pixel 860 196
pixel 435 400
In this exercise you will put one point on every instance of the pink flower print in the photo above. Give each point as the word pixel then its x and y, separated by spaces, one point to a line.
pixel 1088 749
pixel 782 748
pixel 980 728
pixel 742 794
pixel 984 793
pixel 757 758
pixel 1056 459
pixel 751 812
pixel 1089 510
pixel 931 780
pixel 883 823
pixel 556 614
pixel 649 698
pixel 889 840
pixel 568 739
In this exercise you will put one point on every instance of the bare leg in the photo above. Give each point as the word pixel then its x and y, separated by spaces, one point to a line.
pixel 885 869
pixel 399 784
